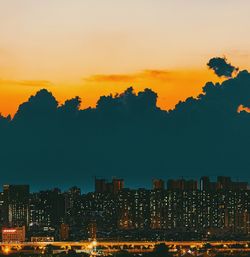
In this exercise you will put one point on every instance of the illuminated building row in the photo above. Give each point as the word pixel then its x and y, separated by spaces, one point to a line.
pixel 215 207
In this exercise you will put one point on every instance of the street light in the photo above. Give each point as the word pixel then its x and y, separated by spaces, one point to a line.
pixel 6 250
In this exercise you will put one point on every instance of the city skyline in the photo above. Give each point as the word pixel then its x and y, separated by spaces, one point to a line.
pixel 178 210
pixel 163 183
pixel 124 128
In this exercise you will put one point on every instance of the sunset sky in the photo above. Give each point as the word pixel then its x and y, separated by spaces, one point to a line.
pixel 95 47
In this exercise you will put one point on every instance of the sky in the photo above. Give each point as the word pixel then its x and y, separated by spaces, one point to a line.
pixel 92 48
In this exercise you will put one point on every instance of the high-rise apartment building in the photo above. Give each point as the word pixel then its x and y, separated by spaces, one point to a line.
pixel 182 184
pixel 158 184
pixel 102 186
pixel 16 205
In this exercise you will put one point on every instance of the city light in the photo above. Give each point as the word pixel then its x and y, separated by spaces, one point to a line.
pixel 6 250
pixel 199 210
pixel 9 230
pixel 94 243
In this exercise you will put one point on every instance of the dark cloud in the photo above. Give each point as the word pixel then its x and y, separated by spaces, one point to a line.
pixel 42 105
pixel 127 135
pixel 221 67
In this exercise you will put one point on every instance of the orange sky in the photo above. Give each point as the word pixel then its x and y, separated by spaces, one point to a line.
pixel 91 48
pixel 171 87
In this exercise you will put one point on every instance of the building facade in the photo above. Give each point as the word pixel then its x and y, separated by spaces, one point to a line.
pixel 13 235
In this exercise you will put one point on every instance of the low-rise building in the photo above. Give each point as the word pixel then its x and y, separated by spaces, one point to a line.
pixel 16 234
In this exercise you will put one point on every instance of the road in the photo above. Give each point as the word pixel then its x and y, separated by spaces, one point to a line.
pixel 133 246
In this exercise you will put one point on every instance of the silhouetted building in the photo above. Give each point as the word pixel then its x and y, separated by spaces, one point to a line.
pixel 222 183
pixel 118 185
pixel 205 183
pixel 100 185
pixel 182 184
pixel 158 184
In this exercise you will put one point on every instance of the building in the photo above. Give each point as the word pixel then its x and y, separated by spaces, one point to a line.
pixel 64 232
pixel 42 239
pixel 180 212
pixel 222 183
pixel 204 183
pixel 102 186
pixel 2 209
pixel 182 184
pixel 125 209
pixel 117 185
pixel 47 212
pixel 16 205
pixel 156 209
pixel 92 230
pixel 13 235
pixel 141 209
pixel 158 184
pixel 72 198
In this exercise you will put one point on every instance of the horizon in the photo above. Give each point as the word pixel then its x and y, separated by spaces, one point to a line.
pixel 148 186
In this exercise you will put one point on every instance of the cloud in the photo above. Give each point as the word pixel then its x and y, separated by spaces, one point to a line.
pixel 111 78
pixel 127 135
pixel 40 106
pixel 157 74
pixel 35 83
pixel 28 83
pixel 221 67
pixel 145 74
